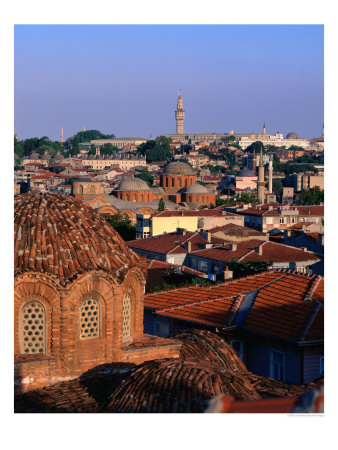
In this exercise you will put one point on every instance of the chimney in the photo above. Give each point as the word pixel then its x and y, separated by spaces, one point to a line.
pixel 228 274
pixel 233 247
pixel 304 249
pixel 259 250
pixel 181 231
pixel 187 246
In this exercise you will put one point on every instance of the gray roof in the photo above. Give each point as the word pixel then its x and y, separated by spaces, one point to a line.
pixel 123 204
pixel 246 173
pixel 178 168
pixel 133 185
pixel 197 189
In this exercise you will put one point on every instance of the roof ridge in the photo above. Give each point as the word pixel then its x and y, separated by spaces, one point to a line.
pixel 310 319
pixel 194 303
pixel 234 309
pixel 312 288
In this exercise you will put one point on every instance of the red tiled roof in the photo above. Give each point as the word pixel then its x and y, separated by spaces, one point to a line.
pixel 172 242
pixel 271 251
pixel 200 213
pixel 155 264
pixel 60 236
pixel 194 294
pixel 311 210
pixel 282 306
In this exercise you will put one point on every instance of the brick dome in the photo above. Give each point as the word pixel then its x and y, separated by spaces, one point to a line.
pixel 178 168
pixel 177 386
pixel 59 236
pixel 133 185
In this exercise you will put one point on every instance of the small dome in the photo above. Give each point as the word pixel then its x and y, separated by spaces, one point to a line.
pixel 246 173
pixel 133 185
pixel 292 136
pixel 176 386
pixel 59 236
pixel 178 168
pixel 197 189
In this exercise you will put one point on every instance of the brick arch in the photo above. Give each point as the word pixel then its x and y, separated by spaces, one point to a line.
pixel 108 209
pixel 134 284
pixel 88 353
pixel 35 287
pixel 145 210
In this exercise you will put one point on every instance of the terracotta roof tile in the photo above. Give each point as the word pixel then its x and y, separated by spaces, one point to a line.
pixel 57 235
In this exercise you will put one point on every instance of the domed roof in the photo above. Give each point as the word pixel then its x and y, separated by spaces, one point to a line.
pixel 59 236
pixel 208 346
pixel 58 156
pixel 178 168
pixel 292 136
pixel 177 386
pixel 132 185
pixel 246 173
pixel 196 189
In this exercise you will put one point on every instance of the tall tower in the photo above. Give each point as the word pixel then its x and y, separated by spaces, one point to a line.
pixel 260 182
pixel 264 129
pixel 179 114
pixel 62 136
pixel 323 131
pixel 270 175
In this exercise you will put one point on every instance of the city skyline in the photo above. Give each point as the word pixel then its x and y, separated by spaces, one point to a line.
pixel 125 79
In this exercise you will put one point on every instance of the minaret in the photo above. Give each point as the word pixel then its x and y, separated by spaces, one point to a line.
pixel 179 114
pixel 264 129
pixel 323 131
pixel 61 136
pixel 84 128
pixel 260 182
pixel 270 174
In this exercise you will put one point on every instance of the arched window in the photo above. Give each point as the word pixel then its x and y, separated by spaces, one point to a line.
pixel 179 183
pixel 33 328
pixel 80 189
pixel 89 319
pixel 127 197
pixel 92 189
pixel 141 198
pixel 126 316
pixel 134 197
pixel 186 182
pixel 172 182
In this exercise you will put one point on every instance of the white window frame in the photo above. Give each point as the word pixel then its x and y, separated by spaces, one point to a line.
pixel 273 362
pixel 282 220
pixel 203 266
pixel 269 221
pixel 240 353
pixel 156 331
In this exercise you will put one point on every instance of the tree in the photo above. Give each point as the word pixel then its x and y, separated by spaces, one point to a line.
pixel 146 176
pixel 228 139
pixel 221 201
pixel 158 150
pixel 242 269
pixel 123 225
pixel 161 205
pixel 277 186
pixel 255 147
pixel 314 196
pixel 108 149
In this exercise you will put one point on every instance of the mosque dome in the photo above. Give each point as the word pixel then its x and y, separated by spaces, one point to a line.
pixel 197 189
pixel 178 168
pixel 292 136
pixel 246 173
pixel 59 236
pixel 133 185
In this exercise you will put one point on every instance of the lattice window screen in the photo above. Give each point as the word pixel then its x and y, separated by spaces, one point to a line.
pixel 126 316
pixel 90 319
pixel 33 324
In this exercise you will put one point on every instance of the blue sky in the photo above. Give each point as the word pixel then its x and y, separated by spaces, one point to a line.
pixel 125 79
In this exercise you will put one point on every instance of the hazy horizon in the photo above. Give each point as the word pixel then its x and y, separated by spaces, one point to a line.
pixel 124 79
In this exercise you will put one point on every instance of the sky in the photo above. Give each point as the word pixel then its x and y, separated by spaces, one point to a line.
pixel 124 79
